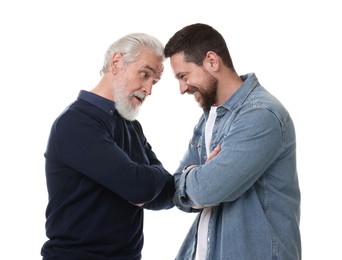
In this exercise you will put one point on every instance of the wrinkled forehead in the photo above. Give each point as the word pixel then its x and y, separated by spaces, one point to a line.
pixel 153 62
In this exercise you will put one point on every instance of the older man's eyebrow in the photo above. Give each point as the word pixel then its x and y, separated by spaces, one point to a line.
pixel 152 70
pixel 149 68
pixel 156 71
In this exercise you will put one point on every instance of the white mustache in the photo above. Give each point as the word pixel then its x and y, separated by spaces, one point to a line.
pixel 139 95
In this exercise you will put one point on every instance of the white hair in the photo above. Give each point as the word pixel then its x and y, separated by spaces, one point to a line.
pixel 130 47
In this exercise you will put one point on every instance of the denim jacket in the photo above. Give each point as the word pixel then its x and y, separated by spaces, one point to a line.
pixel 251 185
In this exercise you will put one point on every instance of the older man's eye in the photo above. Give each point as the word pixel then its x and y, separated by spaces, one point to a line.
pixel 145 75
pixel 155 82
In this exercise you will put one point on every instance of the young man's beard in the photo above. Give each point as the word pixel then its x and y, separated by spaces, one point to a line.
pixel 209 96
pixel 123 103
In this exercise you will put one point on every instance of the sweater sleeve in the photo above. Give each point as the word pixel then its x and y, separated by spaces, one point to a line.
pixel 86 146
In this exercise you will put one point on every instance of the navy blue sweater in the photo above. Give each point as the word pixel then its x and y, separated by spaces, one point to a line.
pixel 97 166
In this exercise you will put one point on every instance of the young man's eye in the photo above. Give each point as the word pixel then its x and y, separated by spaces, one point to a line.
pixel 183 77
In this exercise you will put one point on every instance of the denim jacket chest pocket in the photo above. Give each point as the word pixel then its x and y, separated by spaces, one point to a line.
pixel 221 128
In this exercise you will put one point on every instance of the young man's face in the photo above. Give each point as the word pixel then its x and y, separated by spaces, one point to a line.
pixel 194 79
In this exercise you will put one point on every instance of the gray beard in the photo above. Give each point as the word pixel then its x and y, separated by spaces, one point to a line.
pixel 124 106
pixel 125 109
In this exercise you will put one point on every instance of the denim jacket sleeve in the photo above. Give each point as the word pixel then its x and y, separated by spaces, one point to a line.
pixel 181 199
pixel 250 143
pixel 192 157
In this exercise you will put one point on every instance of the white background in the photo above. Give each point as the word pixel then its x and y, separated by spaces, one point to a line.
pixel 49 50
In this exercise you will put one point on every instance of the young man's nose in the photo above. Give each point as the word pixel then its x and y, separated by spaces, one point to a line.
pixel 183 87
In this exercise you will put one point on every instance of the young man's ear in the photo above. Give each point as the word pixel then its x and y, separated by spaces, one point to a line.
pixel 211 61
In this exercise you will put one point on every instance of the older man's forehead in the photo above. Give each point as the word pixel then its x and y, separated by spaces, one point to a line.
pixel 160 68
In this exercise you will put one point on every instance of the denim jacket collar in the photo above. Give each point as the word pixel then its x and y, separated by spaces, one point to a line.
pixel 250 81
